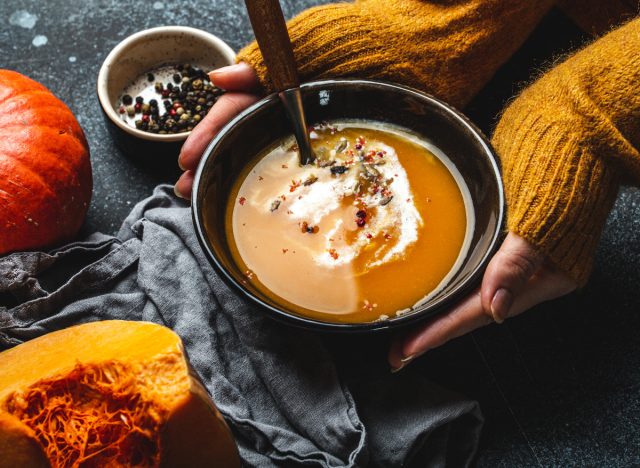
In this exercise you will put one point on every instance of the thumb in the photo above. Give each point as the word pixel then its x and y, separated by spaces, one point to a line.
pixel 238 77
pixel 508 272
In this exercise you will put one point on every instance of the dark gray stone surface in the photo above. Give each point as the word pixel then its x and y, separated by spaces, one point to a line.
pixel 559 386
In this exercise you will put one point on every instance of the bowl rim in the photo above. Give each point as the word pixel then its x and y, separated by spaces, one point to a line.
pixel 280 313
pixel 103 75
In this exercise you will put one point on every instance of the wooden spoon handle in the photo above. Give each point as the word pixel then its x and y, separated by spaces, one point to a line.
pixel 271 33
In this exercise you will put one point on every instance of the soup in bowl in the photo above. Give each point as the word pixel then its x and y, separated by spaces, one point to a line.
pixel 394 220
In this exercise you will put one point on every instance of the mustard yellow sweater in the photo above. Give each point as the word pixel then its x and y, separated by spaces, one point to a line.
pixel 565 144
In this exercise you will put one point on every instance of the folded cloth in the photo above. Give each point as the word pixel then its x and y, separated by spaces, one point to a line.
pixel 291 397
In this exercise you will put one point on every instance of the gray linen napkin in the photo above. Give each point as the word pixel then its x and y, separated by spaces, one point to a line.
pixel 291 397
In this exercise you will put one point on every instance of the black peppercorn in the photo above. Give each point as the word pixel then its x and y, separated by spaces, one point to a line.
pixel 139 99
pixel 177 78
pixel 126 99
pixel 150 77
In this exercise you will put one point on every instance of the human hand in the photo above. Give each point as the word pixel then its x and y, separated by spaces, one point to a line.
pixel 516 279
pixel 241 83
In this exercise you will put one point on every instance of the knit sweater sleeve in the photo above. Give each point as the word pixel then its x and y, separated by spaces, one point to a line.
pixel 448 48
pixel 567 142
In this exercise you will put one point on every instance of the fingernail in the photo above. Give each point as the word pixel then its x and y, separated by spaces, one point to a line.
pixel 500 304
pixel 178 194
pixel 229 68
pixel 403 364
pixel 182 168
pixel 408 359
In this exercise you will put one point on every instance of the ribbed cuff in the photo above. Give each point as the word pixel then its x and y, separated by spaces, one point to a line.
pixel 558 192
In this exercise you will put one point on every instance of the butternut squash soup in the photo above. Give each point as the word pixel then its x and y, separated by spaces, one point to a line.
pixel 371 229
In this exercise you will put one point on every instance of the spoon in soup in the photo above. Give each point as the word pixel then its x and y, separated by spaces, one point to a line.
pixel 273 39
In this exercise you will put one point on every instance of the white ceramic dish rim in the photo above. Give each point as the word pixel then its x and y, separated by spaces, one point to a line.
pixel 103 95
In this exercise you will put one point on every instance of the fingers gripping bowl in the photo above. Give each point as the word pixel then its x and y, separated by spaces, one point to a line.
pixel 421 128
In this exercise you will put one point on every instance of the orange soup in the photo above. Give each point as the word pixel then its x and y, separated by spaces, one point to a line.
pixel 369 230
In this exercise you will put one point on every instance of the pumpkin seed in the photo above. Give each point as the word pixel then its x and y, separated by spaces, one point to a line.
pixel 341 146
pixel 310 180
pixel 385 200
pixel 325 162
pixel 370 172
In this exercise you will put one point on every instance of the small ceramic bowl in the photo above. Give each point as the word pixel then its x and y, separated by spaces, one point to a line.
pixel 139 54
pixel 265 123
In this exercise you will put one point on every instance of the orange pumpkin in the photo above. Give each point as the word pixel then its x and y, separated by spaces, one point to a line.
pixel 45 171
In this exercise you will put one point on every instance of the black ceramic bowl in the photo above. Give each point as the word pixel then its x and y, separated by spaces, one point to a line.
pixel 264 123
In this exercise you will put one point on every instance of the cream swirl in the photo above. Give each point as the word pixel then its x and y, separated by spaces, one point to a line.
pixel 331 194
